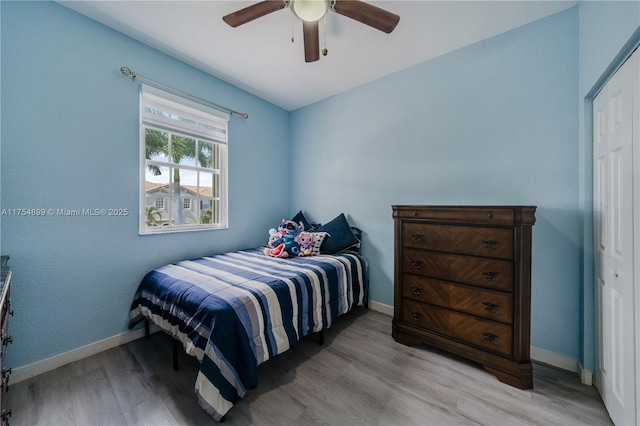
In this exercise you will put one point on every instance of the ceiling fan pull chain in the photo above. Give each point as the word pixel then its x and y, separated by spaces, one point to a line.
pixel 292 28
pixel 324 49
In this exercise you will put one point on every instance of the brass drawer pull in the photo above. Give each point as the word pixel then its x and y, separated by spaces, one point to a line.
pixel 415 290
pixel 417 316
pixel 5 373
pixel 489 276
pixel 490 244
pixel 417 238
pixel 489 337
pixel 490 307
pixel 7 340
pixel 416 264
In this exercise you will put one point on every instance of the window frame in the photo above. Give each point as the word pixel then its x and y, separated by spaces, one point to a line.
pixel 185 201
pixel 183 118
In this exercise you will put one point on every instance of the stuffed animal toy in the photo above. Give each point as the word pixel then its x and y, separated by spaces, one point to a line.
pixel 274 238
pixel 288 231
pixel 306 240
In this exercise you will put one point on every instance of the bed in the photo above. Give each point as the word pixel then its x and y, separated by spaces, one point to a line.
pixel 234 311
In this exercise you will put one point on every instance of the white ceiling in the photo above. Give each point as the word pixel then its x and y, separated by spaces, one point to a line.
pixel 260 58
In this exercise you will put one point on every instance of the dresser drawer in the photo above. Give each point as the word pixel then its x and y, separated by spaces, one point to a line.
pixel 425 316
pixel 494 305
pixel 488 242
pixel 426 236
pixel 483 215
pixel 480 271
pixel 486 334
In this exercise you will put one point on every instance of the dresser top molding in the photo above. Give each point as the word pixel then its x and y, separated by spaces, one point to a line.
pixel 485 214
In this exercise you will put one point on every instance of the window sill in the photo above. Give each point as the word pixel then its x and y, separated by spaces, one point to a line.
pixel 173 230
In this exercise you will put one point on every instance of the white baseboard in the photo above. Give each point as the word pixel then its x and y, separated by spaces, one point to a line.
pixel 48 364
pixel 381 307
pixel 39 367
pixel 554 359
pixel 564 363
pixel 586 376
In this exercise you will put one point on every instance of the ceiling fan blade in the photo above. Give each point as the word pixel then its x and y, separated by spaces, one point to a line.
pixel 367 14
pixel 311 41
pixel 252 12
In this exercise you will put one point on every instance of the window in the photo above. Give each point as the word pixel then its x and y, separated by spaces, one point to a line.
pixel 183 150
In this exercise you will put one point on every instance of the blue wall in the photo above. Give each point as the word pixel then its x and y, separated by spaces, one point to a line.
pixel 492 123
pixel 70 139
pixel 608 31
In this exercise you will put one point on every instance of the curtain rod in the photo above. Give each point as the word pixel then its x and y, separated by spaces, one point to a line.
pixel 127 71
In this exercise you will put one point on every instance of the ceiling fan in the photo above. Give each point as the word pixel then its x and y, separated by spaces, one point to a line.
pixel 311 11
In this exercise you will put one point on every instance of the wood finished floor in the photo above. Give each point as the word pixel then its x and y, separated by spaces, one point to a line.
pixel 361 376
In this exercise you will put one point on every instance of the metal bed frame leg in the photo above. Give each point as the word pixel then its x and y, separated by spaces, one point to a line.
pixel 176 346
pixel 366 297
pixel 176 349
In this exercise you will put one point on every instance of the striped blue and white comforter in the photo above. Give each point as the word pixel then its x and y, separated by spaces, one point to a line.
pixel 236 310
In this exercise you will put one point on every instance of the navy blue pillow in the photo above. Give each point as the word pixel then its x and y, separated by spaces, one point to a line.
pixel 308 226
pixel 357 232
pixel 340 235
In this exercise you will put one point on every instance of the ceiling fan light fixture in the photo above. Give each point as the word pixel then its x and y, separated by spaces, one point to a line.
pixel 310 10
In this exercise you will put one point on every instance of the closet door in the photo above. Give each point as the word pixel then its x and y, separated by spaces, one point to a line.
pixel 614 242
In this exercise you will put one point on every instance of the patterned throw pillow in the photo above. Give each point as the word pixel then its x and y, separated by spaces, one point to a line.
pixel 310 242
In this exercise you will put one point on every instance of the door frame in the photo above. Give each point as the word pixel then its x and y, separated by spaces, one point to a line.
pixel 636 222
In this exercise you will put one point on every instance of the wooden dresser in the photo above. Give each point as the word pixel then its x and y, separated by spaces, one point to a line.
pixel 463 284
pixel 5 338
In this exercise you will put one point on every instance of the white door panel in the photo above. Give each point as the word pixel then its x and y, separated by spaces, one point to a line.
pixel 614 243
